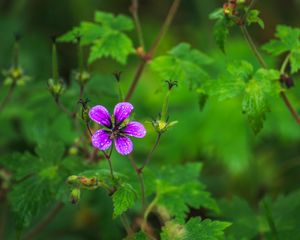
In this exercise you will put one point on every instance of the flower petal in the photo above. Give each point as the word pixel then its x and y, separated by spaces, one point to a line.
pixel 123 145
pixel 122 111
pixel 101 139
pixel 99 114
pixel 134 129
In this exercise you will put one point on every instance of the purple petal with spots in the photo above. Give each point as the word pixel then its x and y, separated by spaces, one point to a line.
pixel 134 129
pixel 99 114
pixel 101 139
pixel 123 145
pixel 122 111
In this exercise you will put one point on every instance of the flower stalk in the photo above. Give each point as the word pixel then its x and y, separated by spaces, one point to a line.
pixel 147 56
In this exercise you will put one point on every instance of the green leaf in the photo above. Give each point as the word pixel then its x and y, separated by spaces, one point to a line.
pixel 182 64
pixel 232 83
pixel 28 199
pixel 244 220
pixel 114 44
pixel 221 28
pixel 194 229
pixel 285 212
pixel 106 37
pixel 50 152
pixel 295 60
pixel 287 40
pixel 177 188
pixel 88 32
pixel 256 90
pixel 119 23
pixel 123 199
pixel 255 105
pixel 39 178
pixel 253 17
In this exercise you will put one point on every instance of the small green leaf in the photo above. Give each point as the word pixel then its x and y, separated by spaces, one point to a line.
pixel 287 40
pixel 182 64
pixel 119 23
pixel 255 105
pixel 253 17
pixel 295 60
pixel 194 229
pixel 115 45
pixel 123 199
pixel 233 83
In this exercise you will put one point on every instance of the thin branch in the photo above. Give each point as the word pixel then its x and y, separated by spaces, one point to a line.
pixel 264 65
pixel 151 152
pixel 107 156
pixel 8 96
pixel 253 46
pixel 134 11
pixel 44 222
pixel 141 180
pixel 149 55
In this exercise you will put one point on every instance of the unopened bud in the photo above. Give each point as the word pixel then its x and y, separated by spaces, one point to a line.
pixel 75 195
pixel 72 179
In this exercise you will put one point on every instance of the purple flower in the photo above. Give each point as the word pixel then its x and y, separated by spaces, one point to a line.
pixel 117 128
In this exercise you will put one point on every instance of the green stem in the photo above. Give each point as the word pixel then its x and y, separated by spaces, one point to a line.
pixel 121 95
pixel 253 46
pixel 8 96
pixel 134 11
pixel 270 220
pixel 148 210
pixel 165 107
pixel 54 63
pixel 16 54
pixel 150 154
pixel 163 30
pixel 141 181
pixel 107 156
pixel 285 63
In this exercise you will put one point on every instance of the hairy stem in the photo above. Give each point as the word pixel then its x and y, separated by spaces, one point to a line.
pixel 264 65
pixel 107 156
pixel 285 63
pixel 253 46
pixel 44 222
pixel 163 30
pixel 151 152
pixel 134 11
pixel 126 225
pixel 148 210
pixel 8 96
pixel 64 109
pixel 141 180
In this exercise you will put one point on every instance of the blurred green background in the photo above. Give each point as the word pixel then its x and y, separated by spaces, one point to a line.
pixel 235 161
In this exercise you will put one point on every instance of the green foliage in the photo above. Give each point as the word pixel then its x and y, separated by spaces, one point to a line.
pixel 177 188
pixel 253 17
pixel 221 28
pixel 123 199
pixel 182 63
pixel 245 221
pixel 194 229
pixel 285 212
pixel 106 37
pixel 288 40
pixel 37 181
pixel 256 88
